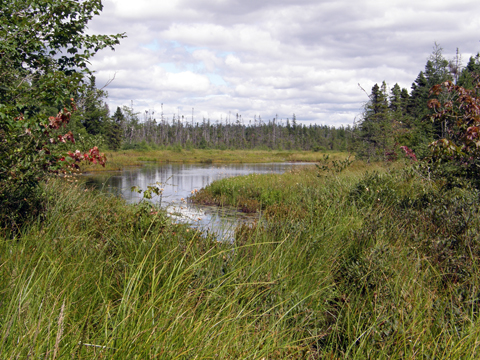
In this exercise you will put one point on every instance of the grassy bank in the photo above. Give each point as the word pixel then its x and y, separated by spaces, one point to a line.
pixel 357 264
pixel 117 160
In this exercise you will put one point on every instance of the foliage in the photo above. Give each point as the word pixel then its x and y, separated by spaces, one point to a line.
pixel 409 153
pixel 458 153
pixel 44 54
pixel 151 191
pixel 470 74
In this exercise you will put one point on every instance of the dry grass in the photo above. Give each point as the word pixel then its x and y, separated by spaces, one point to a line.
pixel 120 159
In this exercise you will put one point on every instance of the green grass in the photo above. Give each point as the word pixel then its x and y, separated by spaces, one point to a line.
pixel 372 262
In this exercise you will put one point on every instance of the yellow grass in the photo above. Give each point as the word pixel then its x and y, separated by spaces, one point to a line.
pixel 117 160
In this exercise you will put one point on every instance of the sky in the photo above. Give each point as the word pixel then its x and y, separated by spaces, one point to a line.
pixel 272 58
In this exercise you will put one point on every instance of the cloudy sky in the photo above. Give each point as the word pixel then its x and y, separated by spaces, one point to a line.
pixel 273 57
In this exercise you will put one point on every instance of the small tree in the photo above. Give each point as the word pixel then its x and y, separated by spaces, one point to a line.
pixel 44 53
pixel 113 129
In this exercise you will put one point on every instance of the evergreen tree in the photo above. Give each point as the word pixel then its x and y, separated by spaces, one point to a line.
pixel 437 68
pixel 112 130
pixel 396 102
pixel 470 74
pixel 418 97
pixel 376 139
pixel 422 129
pixel 437 72
pixel 93 112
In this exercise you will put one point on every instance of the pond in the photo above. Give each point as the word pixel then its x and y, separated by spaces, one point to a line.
pixel 179 181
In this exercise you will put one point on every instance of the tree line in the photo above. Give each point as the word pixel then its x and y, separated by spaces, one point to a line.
pixel 127 129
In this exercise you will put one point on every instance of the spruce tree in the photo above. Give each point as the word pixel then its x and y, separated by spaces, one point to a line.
pixel 112 130
pixel 470 74
pixel 93 112
pixel 376 140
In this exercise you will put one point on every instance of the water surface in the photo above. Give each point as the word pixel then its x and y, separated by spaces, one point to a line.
pixel 179 181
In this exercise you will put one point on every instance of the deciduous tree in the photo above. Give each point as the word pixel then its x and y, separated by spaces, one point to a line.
pixel 44 53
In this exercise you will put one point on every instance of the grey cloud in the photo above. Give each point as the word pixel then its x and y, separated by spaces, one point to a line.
pixel 276 56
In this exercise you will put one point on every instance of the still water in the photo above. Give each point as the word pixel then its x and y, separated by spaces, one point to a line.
pixel 179 181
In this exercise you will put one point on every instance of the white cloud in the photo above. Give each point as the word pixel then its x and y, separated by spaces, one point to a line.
pixel 274 56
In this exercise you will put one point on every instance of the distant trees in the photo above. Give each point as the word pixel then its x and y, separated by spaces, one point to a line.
pixel 92 110
pixel 92 119
pixel 114 130
pixel 274 134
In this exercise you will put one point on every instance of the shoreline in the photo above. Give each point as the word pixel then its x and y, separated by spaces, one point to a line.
pixel 117 160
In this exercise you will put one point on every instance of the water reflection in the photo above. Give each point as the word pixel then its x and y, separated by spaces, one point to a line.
pixel 178 182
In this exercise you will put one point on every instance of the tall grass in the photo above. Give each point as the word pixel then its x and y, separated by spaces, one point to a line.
pixel 401 253
pixel 98 278
pixel 350 265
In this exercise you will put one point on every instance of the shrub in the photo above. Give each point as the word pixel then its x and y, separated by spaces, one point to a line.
pixel 44 56
pixel 457 154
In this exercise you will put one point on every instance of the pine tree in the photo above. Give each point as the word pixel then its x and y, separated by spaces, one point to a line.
pixel 437 68
pixel 418 97
pixel 422 129
pixel 437 72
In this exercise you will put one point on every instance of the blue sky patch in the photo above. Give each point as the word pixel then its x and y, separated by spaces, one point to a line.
pixel 216 80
